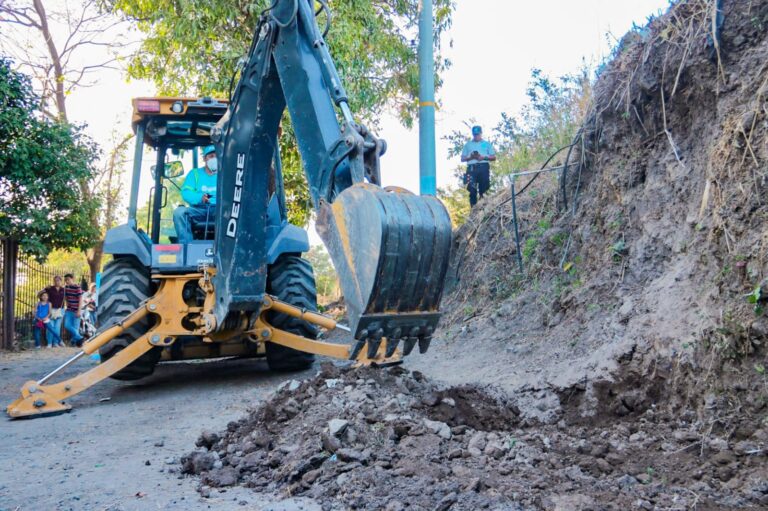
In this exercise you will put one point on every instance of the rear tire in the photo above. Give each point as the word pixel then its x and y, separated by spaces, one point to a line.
pixel 125 283
pixel 291 280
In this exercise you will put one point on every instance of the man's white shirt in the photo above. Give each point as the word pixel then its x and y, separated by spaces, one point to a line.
pixel 484 148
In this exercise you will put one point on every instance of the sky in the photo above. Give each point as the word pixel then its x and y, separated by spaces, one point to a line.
pixel 493 46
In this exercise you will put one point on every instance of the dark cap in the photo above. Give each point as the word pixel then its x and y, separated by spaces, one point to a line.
pixel 476 130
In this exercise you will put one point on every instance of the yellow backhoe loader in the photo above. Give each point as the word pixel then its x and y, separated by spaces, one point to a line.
pixel 239 286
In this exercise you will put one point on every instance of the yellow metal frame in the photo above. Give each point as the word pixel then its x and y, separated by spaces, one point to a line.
pixel 172 312
pixel 263 331
pixel 165 107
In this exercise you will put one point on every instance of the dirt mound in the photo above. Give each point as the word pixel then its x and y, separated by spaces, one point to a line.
pixel 635 293
pixel 389 439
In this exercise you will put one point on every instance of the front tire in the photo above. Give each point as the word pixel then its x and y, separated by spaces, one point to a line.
pixel 291 280
pixel 125 284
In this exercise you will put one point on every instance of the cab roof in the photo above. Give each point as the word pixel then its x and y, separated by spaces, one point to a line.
pixel 177 122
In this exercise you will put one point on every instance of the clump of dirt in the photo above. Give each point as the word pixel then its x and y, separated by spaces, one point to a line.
pixel 390 439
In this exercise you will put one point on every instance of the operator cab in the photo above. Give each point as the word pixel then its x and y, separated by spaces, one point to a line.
pixel 177 130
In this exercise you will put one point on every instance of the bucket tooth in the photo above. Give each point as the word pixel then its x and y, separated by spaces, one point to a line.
pixel 408 345
pixel 356 349
pixel 424 342
pixel 391 346
pixel 373 347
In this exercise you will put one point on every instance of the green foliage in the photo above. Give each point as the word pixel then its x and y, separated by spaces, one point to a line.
pixel 533 239
pixel 456 200
pixel 194 46
pixel 755 297
pixel 67 259
pixel 325 275
pixel 618 250
pixel 41 165
pixel 559 239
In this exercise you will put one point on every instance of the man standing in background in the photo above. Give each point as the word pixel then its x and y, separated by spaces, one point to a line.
pixel 56 298
pixel 477 154
pixel 73 296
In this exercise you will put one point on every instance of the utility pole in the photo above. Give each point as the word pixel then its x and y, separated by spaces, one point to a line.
pixel 427 164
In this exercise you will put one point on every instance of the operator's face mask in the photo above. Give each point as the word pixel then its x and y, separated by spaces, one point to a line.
pixel 212 164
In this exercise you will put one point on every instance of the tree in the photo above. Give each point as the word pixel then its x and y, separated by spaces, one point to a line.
pixel 456 201
pixel 41 162
pixel 56 46
pixel 327 282
pixel 553 115
pixel 49 45
pixel 107 189
pixel 193 47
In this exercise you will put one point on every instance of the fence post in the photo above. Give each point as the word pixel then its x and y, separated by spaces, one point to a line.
pixel 10 257
pixel 517 230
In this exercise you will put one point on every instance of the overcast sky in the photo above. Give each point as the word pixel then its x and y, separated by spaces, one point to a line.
pixel 495 45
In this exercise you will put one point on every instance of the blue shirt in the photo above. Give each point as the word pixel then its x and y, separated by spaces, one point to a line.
pixel 483 147
pixel 42 310
pixel 198 182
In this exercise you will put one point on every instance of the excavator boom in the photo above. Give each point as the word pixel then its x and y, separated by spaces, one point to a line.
pixel 390 247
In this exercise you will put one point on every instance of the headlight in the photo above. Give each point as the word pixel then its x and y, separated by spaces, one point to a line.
pixel 177 107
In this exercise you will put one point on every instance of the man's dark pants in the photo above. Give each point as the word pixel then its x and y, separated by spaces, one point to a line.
pixel 479 179
pixel 184 217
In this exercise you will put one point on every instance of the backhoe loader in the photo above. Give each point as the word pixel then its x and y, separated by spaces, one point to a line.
pixel 240 287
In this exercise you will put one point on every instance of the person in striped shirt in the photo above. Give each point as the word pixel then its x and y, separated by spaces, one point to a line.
pixel 73 296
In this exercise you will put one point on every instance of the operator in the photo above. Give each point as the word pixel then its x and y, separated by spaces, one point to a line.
pixel 199 191
pixel 477 153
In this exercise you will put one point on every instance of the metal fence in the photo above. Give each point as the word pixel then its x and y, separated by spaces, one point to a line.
pixel 8 253
pixel 29 279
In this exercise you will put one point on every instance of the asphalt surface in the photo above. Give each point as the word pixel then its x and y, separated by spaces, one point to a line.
pixel 118 449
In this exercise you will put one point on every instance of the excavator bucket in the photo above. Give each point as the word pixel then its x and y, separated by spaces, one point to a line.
pixel 390 249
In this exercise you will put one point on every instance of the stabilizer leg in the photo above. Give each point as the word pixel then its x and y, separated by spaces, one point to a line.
pixel 38 400
pixel 376 354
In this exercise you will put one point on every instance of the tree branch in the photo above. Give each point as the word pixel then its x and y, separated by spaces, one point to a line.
pixel 17 15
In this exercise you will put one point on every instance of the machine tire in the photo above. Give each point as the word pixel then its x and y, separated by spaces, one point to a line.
pixel 125 283
pixel 291 280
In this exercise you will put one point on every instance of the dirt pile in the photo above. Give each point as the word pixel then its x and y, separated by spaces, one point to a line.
pixel 389 439
pixel 638 295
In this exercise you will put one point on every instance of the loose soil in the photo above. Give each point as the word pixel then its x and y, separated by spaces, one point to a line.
pixel 390 439
pixel 625 370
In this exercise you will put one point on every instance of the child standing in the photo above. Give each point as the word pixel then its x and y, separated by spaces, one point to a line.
pixel 42 317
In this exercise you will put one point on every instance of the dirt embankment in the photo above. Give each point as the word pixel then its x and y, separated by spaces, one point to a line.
pixel 638 296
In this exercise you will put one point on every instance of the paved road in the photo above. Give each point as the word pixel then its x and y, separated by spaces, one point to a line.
pixel 111 455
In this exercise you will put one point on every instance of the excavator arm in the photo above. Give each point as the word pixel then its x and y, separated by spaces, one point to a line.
pixel 390 248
